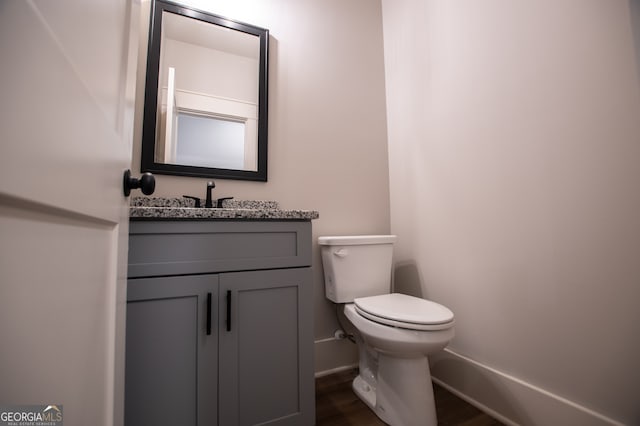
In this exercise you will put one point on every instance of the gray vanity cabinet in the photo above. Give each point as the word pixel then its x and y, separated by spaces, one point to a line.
pixel 171 361
pixel 219 324
pixel 262 374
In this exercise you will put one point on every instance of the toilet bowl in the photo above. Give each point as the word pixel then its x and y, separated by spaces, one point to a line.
pixel 394 332
pixel 391 335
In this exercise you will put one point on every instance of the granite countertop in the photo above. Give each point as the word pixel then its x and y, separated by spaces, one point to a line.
pixel 146 208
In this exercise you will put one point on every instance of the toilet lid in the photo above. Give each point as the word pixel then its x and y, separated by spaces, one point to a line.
pixel 401 310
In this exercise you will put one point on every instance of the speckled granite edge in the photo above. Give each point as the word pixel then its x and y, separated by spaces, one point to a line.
pixel 186 202
pixel 182 208
pixel 224 213
pixel 250 204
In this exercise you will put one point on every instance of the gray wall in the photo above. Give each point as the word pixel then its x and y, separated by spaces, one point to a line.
pixel 514 148
pixel 327 127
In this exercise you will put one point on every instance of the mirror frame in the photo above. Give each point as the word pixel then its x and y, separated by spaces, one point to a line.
pixel 148 163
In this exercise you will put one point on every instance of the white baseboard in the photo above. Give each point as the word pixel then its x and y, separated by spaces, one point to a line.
pixel 475 403
pixel 333 355
pixel 509 399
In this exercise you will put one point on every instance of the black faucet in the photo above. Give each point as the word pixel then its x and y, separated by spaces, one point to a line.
pixel 208 202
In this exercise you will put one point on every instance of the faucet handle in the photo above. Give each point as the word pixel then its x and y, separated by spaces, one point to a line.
pixel 219 201
pixel 196 199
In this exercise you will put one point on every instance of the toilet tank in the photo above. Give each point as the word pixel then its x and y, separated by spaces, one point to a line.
pixel 356 266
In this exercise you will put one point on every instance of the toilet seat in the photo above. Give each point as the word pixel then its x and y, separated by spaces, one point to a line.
pixel 403 311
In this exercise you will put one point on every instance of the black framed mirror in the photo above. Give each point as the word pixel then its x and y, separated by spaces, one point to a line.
pixel 205 107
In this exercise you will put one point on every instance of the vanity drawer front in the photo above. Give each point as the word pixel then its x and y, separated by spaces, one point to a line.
pixel 163 248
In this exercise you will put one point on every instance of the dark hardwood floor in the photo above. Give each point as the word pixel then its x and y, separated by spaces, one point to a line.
pixel 337 405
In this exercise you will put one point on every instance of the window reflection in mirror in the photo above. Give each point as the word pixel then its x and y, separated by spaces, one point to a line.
pixel 209 110
pixel 211 142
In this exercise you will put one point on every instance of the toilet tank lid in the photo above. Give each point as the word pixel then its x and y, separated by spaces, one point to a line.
pixel 354 240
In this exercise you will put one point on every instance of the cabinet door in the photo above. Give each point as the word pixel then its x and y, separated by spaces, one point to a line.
pixel 172 351
pixel 266 348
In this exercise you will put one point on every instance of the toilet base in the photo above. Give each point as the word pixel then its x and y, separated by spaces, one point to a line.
pixel 365 392
pixel 403 392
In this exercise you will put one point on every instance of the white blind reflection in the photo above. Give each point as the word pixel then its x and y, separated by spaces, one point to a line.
pixel 210 142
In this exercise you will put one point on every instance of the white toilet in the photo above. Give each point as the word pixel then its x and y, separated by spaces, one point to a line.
pixel 395 332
